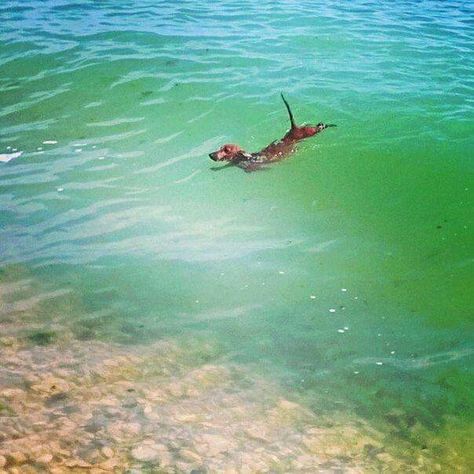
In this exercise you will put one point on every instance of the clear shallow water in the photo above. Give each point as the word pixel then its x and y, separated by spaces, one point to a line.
pixel 121 230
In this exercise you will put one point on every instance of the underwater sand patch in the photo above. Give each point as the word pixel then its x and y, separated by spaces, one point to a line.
pixel 88 406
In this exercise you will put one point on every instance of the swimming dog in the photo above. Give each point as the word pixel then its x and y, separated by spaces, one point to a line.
pixel 276 151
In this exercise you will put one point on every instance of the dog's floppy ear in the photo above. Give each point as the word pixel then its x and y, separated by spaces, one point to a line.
pixel 292 120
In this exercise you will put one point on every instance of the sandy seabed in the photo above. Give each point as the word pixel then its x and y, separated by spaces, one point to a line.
pixel 90 406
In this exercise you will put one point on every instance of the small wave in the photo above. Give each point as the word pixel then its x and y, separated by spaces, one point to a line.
pixel 116 122
pixel 187 178
pixel 419 363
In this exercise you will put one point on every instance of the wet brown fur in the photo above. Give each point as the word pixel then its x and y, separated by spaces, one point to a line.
pixel 276 151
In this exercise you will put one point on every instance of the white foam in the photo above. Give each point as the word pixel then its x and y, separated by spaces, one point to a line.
pixel 6 157
pixel 50 142
pixel 332 310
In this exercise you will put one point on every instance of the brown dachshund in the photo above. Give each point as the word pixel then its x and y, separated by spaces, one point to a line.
pixel 276 151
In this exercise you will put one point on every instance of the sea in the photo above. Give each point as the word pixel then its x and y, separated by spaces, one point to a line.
pixel 337 283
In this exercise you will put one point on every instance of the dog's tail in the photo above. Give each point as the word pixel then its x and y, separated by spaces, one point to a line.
pixel 292 120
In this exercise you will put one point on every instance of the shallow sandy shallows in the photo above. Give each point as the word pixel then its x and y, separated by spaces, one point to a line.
pixel 96 407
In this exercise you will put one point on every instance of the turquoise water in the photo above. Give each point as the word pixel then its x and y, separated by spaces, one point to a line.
pixel 126 234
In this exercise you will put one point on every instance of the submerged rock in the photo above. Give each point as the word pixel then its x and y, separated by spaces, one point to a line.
pixel 190 456
pixel 257 433
pixel 77 463
pixel 111 464
pixel 45 459
pixel 107 452
pixel 51 385
pixel 17 457
pixel 216 444
pixel 145 453
pixel 12 393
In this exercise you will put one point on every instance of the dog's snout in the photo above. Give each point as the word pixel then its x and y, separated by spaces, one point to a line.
pixel 213 156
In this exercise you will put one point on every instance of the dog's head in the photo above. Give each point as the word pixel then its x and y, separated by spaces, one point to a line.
pixel 226 152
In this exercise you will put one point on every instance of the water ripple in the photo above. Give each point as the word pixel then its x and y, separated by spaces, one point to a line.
pixel 151 88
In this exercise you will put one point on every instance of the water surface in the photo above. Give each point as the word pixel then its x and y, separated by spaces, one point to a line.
pixel 344 274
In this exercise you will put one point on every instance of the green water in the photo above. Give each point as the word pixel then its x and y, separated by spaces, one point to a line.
pixel 125 233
